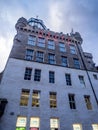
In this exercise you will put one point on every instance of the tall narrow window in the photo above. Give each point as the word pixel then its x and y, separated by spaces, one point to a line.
pixel 35 98
pixel 37 75
pixel 32 40
pixel 29 54
pixel 34 123
pixel 72 101
pixel 95 76
pixel 76 63
pixel 87 101
pixel 68 79
pixel 28 72
pixel 51 58
pixel 62 47
pixel 73 49
pixel 54 124
pixel 95 126
pixel 77 127
pixel 24 97
pixel 81 78
pixel 53 100
pixel 41 42
pixel 40 56
pixel 51 44
pixel 21 123
pixel 51 77
pixel 64 61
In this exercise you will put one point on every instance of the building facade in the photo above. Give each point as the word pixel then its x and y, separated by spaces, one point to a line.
pixel 48 82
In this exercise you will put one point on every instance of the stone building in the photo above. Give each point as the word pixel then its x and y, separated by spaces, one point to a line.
pixel 48 83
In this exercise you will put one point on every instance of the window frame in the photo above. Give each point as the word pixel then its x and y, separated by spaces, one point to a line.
pixel 72 102
pixel 36 98
pixel 28 73
pixel 51 58
pixel 88 102
pixel 31 40
pixel 41 42
pixel 24 99
pixel 51 77
pixel 64 62
pixel 51 44
pixel 29 54
pixel 62 47
pixel 72 49
pixel 40 56
pixel 76 63
pixel 53 99
pixel 37 75
pixel 68 79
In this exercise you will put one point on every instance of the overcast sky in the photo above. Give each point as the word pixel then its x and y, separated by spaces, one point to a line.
pixel 58 15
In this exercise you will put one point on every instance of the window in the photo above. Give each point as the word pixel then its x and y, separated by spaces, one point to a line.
pixel 88 103
pixel 51 44
pixel 68 79
pixel 34 123
pixel 53 100
pixel 64 61
pixel 81 78
pixel 62 47
pixel 73 49
pixel 29 54
pixel 24 97
pixel 76 63
pixel 21 123
pixel 95 76
pixel 27 75
pixel 51 77
pixel 54 124
pixel 37 75
pixel 95 126
pixel 41 42
pixel 51 58
pixel 32 40
pixel 72 101
pixel 40 56
pixel 77 127
pixel 35 98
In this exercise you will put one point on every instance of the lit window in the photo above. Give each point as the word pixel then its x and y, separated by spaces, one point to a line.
pixel 87 101
pixel 51 77
pixel 62 47
pixel 40 56
pixel 51 44
pixel 73 49
pixel 81 78
pixel 24 97
pixel 95 126
pixel 53 100
pixel 72 101
pixel 68 79
pixel 76 63
pixel 35 98
pixel 28 72
pixel 37 75
pixel 64 61
pixel 21 123
pixel 41 42
pixel 95 76
pixel 54 124
pixel 34 123
pixel 77 127
pixel 51 58
pixel 29 54
pixel 32 40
